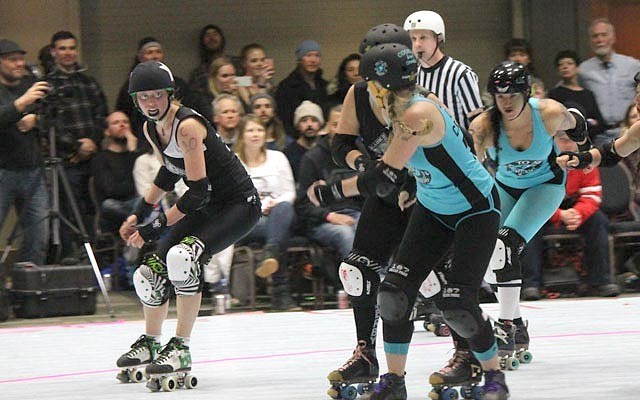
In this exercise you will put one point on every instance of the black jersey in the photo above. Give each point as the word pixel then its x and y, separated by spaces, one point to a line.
pixel 229 180
pixel 375 136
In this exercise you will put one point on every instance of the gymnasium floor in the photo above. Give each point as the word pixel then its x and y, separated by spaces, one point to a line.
pixel 582 349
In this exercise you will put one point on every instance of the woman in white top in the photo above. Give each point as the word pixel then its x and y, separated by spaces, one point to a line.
pixel 271 174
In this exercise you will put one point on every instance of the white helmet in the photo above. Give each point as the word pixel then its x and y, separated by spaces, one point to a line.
pixel 429 20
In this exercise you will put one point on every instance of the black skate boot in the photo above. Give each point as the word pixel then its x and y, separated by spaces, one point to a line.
pixel 495 387
pixel 464 370
pixel 361 368
pixel 522 343
pixel 505 332
pixel 143 351
pixel 172 367
pixel 390 387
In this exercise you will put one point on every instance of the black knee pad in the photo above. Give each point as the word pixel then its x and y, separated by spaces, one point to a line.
pixel 505 261
pixel 360 279
pixel 394 300
pixel 461 311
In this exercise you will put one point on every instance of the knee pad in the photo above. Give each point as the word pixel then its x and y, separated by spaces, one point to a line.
pixel 394 301
pixel 504 265
pixel 151 286
pixel 183 266
pixel 360 278
pixel 461 313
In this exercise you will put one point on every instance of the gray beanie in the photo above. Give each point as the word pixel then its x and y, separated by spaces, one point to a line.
pixel 308 109
pixel 259 96
pixel 305 47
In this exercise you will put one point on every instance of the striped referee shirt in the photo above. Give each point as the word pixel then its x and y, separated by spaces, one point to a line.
pixel 455 84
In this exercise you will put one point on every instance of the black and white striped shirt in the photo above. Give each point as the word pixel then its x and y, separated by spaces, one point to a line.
pixel 455 84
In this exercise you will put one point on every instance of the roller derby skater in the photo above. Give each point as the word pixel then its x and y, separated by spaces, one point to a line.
pixel 133 363
pixel 200 224
pixel 449 213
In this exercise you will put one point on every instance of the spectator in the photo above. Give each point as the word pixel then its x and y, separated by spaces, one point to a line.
pixel 211 43
pixel 272 177
pixel 150 49
pixel 520 51
pixel 21 173
pixel 609 76
pixel 632 161
pixel 569 92
pixel 264 106
pixel 78 112
pixel 308 120
pixel 334 225
pixel 348 74
pixel 260 69
pixel 580 213
pixel 112 171
pixel 303 83
pixel 227 111
pixel 221 79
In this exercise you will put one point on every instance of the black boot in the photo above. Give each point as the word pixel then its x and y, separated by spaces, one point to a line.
pixel 281 299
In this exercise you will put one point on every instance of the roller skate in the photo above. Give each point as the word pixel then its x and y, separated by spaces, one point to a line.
pixel 133 363
pixel 495 387
pixel 362 369
pixel 390 387
pixel 426 310
pixel 522 343
pixel 504 332
pixel 172 369
pixel 464 370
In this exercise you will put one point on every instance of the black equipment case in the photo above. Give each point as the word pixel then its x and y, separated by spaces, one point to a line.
pixel 52 290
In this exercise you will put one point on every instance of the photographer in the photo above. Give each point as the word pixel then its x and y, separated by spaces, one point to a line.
pixel 76 107
pixel 21 178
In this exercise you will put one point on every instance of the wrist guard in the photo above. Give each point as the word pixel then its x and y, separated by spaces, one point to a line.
pixel 196 198
pixel 584 158
pixel 363 163
pixel 165 179
pixel 383 181
pixel 579 133
pixel 328 194
pixel 608 155
pixel 143 210
pixel 151 231
pixel 410 187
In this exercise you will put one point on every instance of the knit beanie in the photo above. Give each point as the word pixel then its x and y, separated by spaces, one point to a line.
pixel 305 47
pixel 308 109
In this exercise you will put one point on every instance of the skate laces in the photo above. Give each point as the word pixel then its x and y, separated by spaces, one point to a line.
pixel 358 354
pixel 460 357
pixel 501 331
pixel 139 345
pixel 385 381
pixel 165 354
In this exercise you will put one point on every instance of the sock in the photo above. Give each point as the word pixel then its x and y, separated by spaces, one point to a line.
pixel 509 299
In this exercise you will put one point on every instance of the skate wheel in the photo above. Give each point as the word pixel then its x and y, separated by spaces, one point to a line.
pixel 154 385
pixel 477 393
pixel 429 326
pixel 525 357
pixel 512 363
pixel 190 382
pixel 443 330
pixel 465 392
pixel 169 384
pixel 361 388
pixel 122 377
pixel 136 375
pixel 449 394
pixel 349 393
pixel 333 393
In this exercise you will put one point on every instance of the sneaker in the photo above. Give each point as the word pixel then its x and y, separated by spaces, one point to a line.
pixel 175 356
pixel 269 264
pixel 143 351
pixel 360 368
pixel 389 387
pixel 608 290
pixel 531 293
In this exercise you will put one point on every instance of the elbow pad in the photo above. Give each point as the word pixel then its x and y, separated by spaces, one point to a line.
pixel 341 145
pixel 608 155
pixel 579 133
pixel 165 179
pixel 196 198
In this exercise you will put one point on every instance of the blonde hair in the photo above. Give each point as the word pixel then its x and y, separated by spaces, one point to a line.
pixel 398 105
pixel 214 68
pixel 239 146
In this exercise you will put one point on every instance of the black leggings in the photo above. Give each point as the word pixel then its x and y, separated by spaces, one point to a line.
pixel 427 239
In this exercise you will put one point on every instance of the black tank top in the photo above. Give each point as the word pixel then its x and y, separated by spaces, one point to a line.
pixel 375 136
pixel 229 180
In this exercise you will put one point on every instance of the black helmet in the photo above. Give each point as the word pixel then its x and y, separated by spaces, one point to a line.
pixel 151 75
pixel 509 77
pixel 391 64
pixel 385 33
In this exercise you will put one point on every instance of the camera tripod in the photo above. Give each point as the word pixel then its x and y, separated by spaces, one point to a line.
pixel 57 174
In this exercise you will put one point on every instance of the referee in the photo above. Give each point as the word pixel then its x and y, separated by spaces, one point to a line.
pixel 452 81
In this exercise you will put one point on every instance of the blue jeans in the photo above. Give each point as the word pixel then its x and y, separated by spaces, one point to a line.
pixel 274 230
pixel 27 191
pixel 339 237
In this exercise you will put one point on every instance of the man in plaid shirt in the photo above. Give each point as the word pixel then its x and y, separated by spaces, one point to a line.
pixel 76 106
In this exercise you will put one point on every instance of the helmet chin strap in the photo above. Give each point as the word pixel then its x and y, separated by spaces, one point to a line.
pixel 378 94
